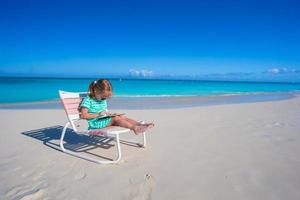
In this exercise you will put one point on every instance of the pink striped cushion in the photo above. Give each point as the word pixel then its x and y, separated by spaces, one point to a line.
pixel 71 105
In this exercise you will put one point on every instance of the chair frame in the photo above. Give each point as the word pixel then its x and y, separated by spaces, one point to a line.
pixel 73 115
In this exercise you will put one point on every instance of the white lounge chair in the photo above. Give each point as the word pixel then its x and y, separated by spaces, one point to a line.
pixel 71 102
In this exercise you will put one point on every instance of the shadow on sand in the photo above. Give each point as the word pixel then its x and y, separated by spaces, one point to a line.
pixel 50 137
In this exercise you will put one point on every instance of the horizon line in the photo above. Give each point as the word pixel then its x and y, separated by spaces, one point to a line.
pixel 175 78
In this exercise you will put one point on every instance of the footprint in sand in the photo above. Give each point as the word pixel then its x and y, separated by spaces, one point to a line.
pixel 25 193
pixel 141 190
pixel 275 124
pixel 32 195
pixel 80 176
pixel 16 169
pixel 37 176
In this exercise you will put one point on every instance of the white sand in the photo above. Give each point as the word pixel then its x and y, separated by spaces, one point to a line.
pixel 242 151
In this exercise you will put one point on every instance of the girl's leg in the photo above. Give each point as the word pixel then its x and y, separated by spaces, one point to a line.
pixel 132 121
pixel 119 121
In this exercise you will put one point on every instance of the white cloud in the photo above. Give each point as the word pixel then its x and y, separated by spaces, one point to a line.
pixel 283 70
pixel 141 73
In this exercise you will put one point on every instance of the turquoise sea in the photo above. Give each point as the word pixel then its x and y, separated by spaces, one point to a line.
pixel 17 90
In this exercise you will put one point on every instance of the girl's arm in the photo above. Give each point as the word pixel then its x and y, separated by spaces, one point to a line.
pixel 86 115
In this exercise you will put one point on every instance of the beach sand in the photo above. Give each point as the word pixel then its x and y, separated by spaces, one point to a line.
pixel 237 151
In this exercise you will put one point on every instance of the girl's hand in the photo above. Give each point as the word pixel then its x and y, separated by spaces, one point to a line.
pixel 102 113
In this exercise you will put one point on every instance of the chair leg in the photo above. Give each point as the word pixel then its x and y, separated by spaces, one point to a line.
pixel 137 142
pixel 87 157
pixel 61 143
pixel 144 140
pixel 144 137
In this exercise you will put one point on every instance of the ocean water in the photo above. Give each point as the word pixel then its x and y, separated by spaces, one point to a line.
pixel 16 90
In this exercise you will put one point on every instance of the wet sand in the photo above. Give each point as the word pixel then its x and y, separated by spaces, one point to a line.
pixel 136 103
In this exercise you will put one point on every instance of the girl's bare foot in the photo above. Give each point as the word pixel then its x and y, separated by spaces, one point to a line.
pixel 139 129
pixel 149 125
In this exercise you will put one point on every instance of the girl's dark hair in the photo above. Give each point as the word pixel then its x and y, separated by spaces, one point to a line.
pixel 101 85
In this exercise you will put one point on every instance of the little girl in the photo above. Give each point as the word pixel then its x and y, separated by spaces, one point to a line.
pixel 94 105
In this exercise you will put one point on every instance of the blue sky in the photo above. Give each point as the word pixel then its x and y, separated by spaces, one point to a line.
pixel 257 40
